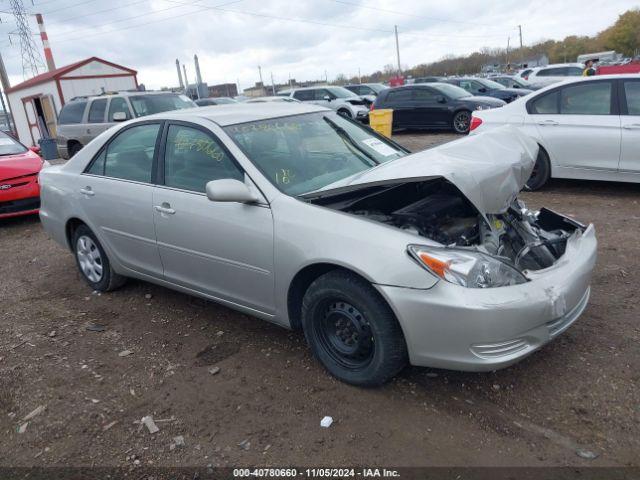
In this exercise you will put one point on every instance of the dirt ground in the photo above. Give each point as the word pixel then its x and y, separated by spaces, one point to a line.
pixel 64 348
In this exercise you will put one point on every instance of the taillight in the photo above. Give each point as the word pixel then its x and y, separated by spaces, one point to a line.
pixel 372 107
pixel 475 123
pixel 526 78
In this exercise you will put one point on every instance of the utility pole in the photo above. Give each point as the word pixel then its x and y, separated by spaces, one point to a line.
pixel 398 50
pixel 4 80
pixel 507 60
pixel 273 85
pixel 326 78
pixel 359 77
pixel 521 52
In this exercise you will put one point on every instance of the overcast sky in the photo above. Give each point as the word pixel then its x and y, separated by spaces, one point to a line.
pixel 300 38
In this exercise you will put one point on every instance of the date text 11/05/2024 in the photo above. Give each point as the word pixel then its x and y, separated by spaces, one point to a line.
pixel 316 472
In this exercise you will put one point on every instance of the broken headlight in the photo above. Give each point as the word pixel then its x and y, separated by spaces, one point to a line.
pixel 466 268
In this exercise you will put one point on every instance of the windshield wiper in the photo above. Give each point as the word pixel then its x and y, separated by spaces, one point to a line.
pixel 349 139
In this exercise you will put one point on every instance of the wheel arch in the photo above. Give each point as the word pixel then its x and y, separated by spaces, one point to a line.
pixel 70 227
pixel 301 282
pixel 546 152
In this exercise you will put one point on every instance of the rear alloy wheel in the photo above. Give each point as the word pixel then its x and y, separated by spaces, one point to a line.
pixel 462 121
pixel 93 262
pixel 541 171
pixel 352 330
pixel 345 113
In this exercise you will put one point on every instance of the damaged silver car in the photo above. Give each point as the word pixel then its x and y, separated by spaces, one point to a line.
pixel 304 218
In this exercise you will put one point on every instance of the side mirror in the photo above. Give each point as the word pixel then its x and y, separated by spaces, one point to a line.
pixel 35 149
pixel 442 99
pixel 229 190
pixel 482 90
pixel 119 117
pixel 327 98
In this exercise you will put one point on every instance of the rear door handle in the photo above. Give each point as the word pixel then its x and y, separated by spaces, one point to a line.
pixel 87 191
pixel 631 126
pixel 551 123
pixel 164 208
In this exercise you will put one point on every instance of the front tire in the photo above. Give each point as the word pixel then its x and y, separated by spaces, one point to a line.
pixel 352 331
pixel 93 262
pixel 461 121
pixel 541 171
pixel 345 113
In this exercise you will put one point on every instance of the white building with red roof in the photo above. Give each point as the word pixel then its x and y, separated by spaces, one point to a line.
pixel 36 103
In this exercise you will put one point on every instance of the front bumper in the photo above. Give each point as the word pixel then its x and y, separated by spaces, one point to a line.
pixel 22 198
pixel 459 328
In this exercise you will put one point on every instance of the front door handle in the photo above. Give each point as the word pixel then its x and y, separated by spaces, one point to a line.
pixel 164 208
pixel 551 123
pixel 87 191
pixel 631 126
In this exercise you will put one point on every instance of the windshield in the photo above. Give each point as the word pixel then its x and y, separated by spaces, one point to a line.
pixel 9 146
pixel 451 91
pixel 491 84
pixel 150 104
pixel 303 153
pixel 341 92
pixel 224 100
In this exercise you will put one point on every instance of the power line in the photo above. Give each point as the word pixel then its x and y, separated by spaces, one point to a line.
pixel 217 8
pixel 359 5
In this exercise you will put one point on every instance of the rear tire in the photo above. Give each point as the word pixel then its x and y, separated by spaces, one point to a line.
pixel 93 262
pixel 541 171
pixel 461 122
pixel 74 148
pixel 352 331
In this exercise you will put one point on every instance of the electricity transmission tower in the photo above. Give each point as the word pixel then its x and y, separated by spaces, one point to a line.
pixel 32 62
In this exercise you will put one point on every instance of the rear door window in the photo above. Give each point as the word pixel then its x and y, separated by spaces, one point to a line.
pixel 424 95
pixel 304 95
pixel 130 154
pixel 72 113
pixel 118 104
pixel 632 94
pixel 591 98
pixel 96 110
pixel 573 71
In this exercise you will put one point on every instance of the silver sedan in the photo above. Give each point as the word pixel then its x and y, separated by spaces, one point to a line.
pixel 296 215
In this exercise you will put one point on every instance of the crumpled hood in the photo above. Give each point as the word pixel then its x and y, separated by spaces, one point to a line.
pixel 490 168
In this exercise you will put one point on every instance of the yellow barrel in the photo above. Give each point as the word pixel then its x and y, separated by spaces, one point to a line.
pixel 381 121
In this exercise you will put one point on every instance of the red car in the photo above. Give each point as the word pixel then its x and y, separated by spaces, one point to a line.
pixel 19 168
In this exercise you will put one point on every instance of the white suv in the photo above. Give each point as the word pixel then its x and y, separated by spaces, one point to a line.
pixel 339 99
pixel 543 76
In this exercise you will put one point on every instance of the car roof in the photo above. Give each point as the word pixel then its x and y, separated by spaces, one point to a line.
pixel 593 78
pixel 125 93
pixel 231 114
pixel 558 65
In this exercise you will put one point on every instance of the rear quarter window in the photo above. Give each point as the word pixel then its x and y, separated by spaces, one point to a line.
pixel 72 113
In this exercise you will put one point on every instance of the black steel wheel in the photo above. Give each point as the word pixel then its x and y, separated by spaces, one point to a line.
pixel 352 330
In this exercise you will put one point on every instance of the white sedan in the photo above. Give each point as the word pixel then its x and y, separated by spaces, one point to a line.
pixel 587 128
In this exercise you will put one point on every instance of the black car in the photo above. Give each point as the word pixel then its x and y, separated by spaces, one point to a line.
pixel 489 88
pixel 366 88
pixel 436 105
pixel 205 102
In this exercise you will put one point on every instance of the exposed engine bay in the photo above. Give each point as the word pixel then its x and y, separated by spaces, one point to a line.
pixel 437 210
